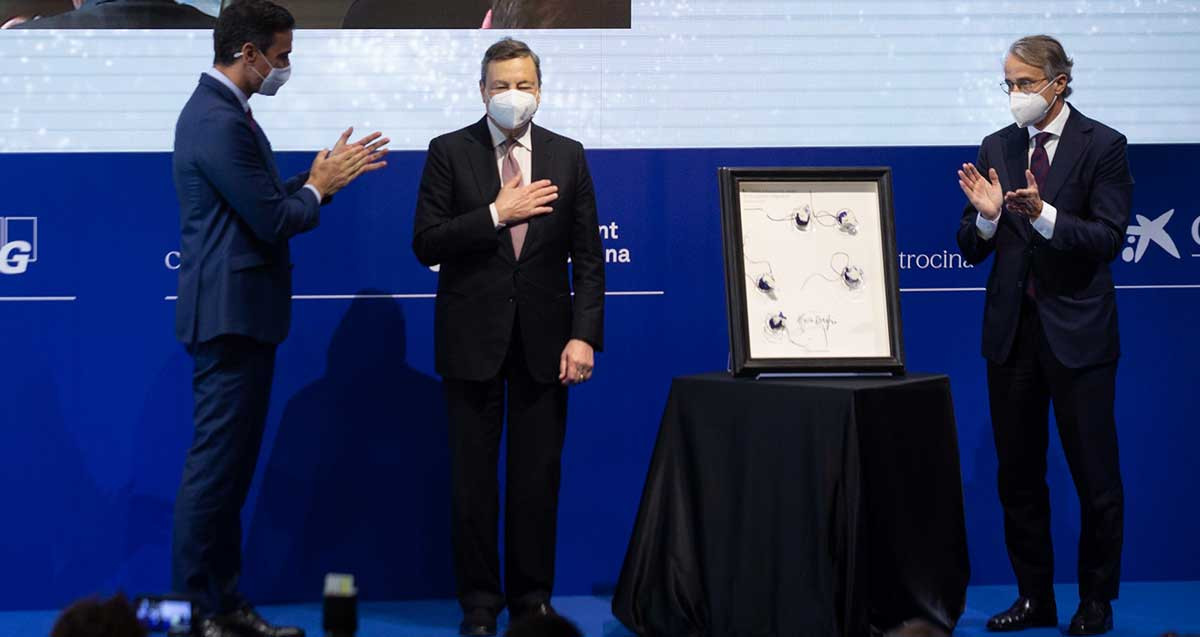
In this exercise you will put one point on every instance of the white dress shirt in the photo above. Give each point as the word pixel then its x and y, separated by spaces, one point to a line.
pixel 523 152
pixel 244 99
pixel 1044 224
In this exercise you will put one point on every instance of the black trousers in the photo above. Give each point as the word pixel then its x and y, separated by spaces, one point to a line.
pixel 231 384
pixel 1021 391
pixel 537 416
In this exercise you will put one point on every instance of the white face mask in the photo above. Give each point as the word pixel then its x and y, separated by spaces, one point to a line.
pixel 1028 108
pixel 274 80
pixel 512 109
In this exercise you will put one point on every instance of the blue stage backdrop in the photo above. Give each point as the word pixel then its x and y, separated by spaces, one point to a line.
pixel 95 395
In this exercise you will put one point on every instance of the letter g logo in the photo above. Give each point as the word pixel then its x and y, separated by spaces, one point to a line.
pixel 14 257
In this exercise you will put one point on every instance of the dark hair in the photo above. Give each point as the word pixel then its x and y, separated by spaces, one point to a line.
pixel 253 21
pixel 92 617
pixel 543 626
pixel 508 49
pixel 530 14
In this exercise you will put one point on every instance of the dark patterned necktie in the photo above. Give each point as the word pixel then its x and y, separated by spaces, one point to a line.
pixel 1039 162
pixel 1039 165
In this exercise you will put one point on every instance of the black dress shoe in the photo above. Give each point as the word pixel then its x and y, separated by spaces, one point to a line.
pixel 246 622
pixel 1093 618
pixel 209 627
pixel 540 609
pixel 1026 612
pixel 478 622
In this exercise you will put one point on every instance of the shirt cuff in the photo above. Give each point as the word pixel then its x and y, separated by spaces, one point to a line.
pixel 986 227
pixel 495 216
pixel 316 192
pixel 1044 224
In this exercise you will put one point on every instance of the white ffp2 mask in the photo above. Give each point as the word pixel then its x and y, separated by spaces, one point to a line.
pixel 512 109
pixel 274 80
pixel 1028 108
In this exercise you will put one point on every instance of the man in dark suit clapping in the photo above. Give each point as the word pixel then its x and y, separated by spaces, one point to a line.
pixel 1050 198
pixel 235 287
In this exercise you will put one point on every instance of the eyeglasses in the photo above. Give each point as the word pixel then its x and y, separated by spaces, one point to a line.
pixel 1022 86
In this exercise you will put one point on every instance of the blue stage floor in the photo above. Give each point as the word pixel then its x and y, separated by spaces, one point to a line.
pixel 1144 610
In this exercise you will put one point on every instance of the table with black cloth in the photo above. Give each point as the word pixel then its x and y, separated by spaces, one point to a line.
pixel 813 506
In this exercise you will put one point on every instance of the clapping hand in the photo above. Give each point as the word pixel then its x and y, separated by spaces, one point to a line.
pixel 330 173
pixel 374 145
pixel 1027 201
pixel 985 195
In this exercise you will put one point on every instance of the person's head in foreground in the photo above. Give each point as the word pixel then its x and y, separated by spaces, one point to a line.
pixel 93 617
pixel 543 626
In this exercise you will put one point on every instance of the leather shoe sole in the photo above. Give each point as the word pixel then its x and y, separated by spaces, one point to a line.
pixel 1092 630
pixel 476 630
pixel 1040 622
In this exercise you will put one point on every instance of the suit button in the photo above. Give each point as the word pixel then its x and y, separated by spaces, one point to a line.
pixel 510 299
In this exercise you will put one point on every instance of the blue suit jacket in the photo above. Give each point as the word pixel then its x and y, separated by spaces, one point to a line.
pixel 236 216
pixel 1090 186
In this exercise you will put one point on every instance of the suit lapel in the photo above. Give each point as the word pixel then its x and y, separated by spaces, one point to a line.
pixel 260 138
pixel 264 147
pixel 487 176
pixel 1016 161
pixel 1071 146
pixel 540 163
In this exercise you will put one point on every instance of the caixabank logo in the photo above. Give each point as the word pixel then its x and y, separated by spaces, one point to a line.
pixel 1145 233
pixel 18 244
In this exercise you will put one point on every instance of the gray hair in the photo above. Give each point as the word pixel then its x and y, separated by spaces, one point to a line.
pixel 1047 54
pixel 508 49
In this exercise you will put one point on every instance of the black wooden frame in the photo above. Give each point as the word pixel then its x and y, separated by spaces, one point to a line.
pixel 735 271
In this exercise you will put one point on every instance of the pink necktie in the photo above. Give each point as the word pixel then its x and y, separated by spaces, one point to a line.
pixel 510 169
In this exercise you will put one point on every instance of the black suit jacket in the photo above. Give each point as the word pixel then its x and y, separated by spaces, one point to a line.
pixel 482 286
pixel 1090 186
pixel 127 14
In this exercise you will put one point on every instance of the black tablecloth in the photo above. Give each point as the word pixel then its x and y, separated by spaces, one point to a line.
pixel 799 507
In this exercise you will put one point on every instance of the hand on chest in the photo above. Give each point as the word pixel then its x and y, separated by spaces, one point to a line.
pixel 531 166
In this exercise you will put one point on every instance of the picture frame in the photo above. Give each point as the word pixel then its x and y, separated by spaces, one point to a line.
pixel 811 276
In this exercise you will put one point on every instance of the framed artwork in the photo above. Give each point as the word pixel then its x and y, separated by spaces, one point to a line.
pixel 810 270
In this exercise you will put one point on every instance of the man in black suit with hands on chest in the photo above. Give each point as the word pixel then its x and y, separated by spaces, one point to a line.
pixel 1051 197
pixel 503 204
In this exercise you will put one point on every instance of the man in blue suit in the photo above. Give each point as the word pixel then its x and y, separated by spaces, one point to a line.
pixel 234 305
pixel 1050 198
